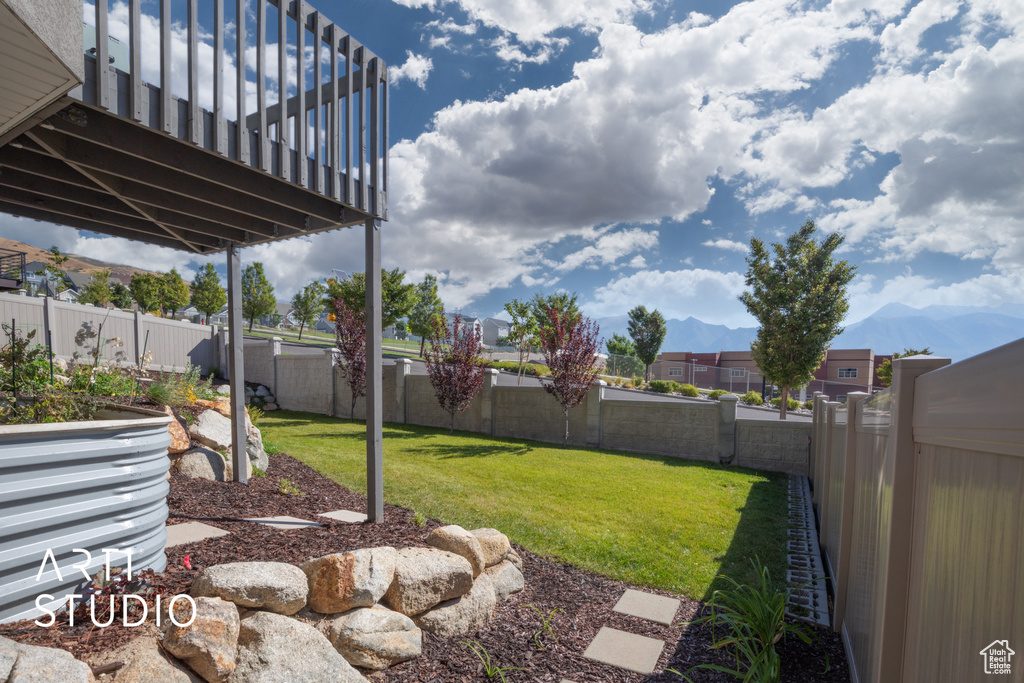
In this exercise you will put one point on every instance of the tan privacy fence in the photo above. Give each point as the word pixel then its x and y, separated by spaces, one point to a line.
pixel 173 343
pixel 705 430
pixel 920 496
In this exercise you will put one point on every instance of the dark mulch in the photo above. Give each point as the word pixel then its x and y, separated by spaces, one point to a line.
pixel 585 599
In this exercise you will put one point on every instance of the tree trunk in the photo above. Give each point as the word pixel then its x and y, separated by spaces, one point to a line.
pixel 565 439
pixel 784 403
pixel 352 409
pixel 301 325
pixel 451 427
pixel 422 343
pixel 250 323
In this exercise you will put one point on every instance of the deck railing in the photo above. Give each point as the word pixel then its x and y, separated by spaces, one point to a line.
pixel 275 86
pixel 12 265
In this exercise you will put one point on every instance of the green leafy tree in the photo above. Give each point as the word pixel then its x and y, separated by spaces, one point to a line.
pixel 307 304
pixel 145 289
pixel 97 291
pixel 541 307
pixel 257 293
pixel 885 369
pixel 207 295
pixel 396 298
pixel 798 295
pixel 647 330
pixel 120 295
pixel 623 360
pixel 174 293
pixel 522 331
pixel 427 308
pixel 54 270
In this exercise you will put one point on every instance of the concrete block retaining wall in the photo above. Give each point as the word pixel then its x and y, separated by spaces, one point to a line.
pixel 696 431
pixel 780 446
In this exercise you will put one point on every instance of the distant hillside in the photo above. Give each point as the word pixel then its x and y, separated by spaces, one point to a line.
pixel 957 332
pixel 76 264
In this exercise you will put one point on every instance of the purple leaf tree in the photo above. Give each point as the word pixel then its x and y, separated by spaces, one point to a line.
pixel 570 347
pixel 350 338
pixel 454 365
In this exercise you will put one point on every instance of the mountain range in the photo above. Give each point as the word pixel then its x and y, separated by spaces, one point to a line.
pixel 956 332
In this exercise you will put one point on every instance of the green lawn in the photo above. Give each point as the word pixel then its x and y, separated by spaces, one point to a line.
pixel 652 521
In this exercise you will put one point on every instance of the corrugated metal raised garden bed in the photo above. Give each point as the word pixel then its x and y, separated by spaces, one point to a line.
pixel 79 486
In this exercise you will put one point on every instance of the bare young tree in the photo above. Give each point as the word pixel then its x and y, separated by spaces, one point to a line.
pixel 350 339
pixel 570 347
pixel 454 365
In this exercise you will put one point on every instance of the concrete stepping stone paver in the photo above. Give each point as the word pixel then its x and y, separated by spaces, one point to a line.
pixel 345 516
pixel 648 606
pixel 625 650
pixel 191 532
pixel 284 522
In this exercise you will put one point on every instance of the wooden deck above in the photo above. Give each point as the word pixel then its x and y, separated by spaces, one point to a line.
pixel 144 160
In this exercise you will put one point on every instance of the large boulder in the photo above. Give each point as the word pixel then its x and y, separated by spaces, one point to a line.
pixel 221 405
pixel 273 586
pixel 426 576
pixel 375 637
pixel 342 581
pixel 455 539
pixel 208 643
pixel 507 579
pixel 254 445
pixel 212 429
pixel 202 463
pixel 462 615
pixel 493 544
pixel 21 663
pixel 178 429
pixel 144 662
pixel 274 648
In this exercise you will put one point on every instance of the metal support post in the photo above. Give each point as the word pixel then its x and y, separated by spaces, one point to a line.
pixel 374 369
pixel 236 365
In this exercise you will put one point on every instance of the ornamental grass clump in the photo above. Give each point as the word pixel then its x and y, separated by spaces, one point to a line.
pixel 751 619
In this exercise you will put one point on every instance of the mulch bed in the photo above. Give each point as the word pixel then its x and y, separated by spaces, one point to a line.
pixel 585 599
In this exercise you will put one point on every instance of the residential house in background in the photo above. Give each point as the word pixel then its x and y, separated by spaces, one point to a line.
pixel 467 322
pixel 495 328
pixel 842 371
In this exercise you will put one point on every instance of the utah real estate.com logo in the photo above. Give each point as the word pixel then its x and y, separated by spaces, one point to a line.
pixel 997 657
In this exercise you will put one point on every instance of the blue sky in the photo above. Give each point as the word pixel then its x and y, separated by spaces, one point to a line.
pixel 628 150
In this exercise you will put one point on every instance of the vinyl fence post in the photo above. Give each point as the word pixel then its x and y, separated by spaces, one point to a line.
pixel 855 405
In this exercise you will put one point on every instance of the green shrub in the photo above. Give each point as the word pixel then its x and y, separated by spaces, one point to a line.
pixel 716 394
pixel 689 390
pixel 791 404
pixel 809 404
pixel 535 369
pixel 181 389
pixel 753 398
pixel 661 386
pixel 753 619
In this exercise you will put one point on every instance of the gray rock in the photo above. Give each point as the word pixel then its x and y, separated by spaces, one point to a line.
pixel 507 579
pixel 375 637
pixel 202 463
pixel 273 648
pixel 211 429
pixel 493 544
pixel 262 391
pixel 455 539
pixel 249 393
pixel 342 581
pixel 273 586
pixel 426 576
pixel 223 389
pixel 272 405
pixel 208 643
pixel 254 445
pixel 514 558
pixel 462 615
pixel 21 663
pixel 145 663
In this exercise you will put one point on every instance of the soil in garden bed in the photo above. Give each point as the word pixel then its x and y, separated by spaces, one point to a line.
pixel 584 600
